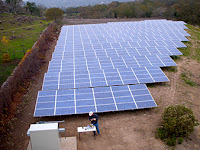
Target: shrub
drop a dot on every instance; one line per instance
(178, 121)
(5, 58)
(180, 140)
(171, 141)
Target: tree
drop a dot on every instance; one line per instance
(71, 11)
(2, 7)
(55, 14)
(126, 10)
(13, 5)
(31, 6)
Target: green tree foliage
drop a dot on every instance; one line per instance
(55, 14)
(13, 5)
(126, 10)
(33, 9)
(19, 7)
(188, 11)
(185, 10)
(2, 7)
(178, 121)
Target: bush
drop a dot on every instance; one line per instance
(5, 58)
(178, 121)
(171, 141)
(180, 140)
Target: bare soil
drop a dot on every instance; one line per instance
(125, 130)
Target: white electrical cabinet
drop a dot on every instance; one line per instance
(44, 136)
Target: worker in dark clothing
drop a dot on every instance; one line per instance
(94, 120)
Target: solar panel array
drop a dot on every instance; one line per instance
(104, 67)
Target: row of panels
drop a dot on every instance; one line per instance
(118, 52)
(79, 44)
(114, 29)
(59, 65)
(97, 78)
(78, 101)
(120, 38)
(125, 31)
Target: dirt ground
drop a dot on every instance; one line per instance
(125, 130)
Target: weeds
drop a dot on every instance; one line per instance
(187, 79)
(192, 50)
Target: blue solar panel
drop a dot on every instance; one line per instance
(105, 55)
(101, 99)
(64, 111)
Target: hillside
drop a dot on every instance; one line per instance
(22, 32)
(72, 3)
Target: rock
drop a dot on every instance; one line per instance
(0, 22)
(13, 31)
(29, 28)
(12, 22)
(13, 37)
(1, 28)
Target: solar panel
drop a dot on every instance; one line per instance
(103, 99)
(103, 67)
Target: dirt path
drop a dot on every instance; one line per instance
(125, 130)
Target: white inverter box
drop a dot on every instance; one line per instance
(44, 136)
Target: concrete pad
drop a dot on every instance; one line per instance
(68, 143)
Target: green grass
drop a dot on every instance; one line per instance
(25, 38)
(6, 71)
(187, 79)
(193, 46)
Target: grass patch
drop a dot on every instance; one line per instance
(22, 32)
(187, 79)
(193, 46)
(24, 36)
(6, 70)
